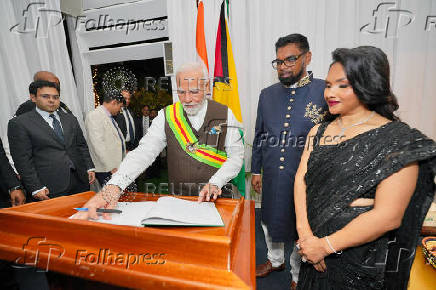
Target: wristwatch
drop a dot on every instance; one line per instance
(15, 188)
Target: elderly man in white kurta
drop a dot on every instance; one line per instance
(205, 149)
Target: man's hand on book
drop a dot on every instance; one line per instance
(106, 198)
(210, 192)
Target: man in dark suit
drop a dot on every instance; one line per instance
(129, 123)
(11, 191)
(28, 105)
(48, 147)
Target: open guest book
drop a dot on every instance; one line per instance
(166, 211)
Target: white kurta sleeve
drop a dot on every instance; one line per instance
(142, 157)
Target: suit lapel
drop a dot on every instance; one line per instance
(46, 126)
(108, 121)
(124, 127)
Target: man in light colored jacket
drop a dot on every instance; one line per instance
(105, 139)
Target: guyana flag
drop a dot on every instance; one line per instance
(225, 89)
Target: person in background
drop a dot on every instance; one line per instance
(48, 147)
(129, 123)
(106, 141)
(145, 119)
(29, 105)
(11, 190)
(153, 114)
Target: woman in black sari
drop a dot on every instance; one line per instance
(364, 184)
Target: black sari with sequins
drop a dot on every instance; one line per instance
(337, 175)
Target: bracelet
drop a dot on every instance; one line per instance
(109, 195)
(331, 247)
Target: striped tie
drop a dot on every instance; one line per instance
(57, 128)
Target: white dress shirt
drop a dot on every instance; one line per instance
(154, 142)
(46, 116)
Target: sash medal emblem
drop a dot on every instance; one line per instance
(191, 147)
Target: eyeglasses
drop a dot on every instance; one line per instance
(289, 61)
(193, 92)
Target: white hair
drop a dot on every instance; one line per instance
(192, 66)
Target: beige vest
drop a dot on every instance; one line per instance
(187, 175)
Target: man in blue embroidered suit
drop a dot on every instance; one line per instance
(286, 112)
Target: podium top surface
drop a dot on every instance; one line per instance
(128, 256)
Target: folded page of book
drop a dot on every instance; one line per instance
(132, 213)
(171, 211)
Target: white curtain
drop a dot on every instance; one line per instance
(255, 25)
(26, 49)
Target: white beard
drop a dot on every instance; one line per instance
(194, 110)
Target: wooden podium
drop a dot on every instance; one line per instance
(41, 235)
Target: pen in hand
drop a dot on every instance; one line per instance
(102, 210)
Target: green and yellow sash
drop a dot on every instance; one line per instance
(188, 141)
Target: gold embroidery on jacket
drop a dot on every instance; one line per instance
(314, 113)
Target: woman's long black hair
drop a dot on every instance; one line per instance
(367, 70)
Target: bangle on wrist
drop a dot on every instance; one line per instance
(331, 247)
(110, 195)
